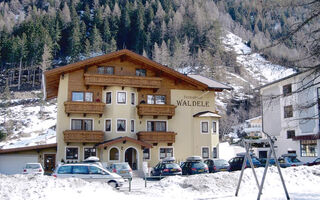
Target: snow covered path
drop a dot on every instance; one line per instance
(302, 182)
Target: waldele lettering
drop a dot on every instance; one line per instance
(192, 101)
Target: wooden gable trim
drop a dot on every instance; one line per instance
(37, 147)
(122, 139)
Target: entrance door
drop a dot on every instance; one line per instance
(131, 158)
(49, 163)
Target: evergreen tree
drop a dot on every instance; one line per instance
(106, 35)
(96, 40)
(87, 48)
(124, 28)
(56, 39)
(74, 42)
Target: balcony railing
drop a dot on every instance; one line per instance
(83, 136)
(157, 137)
(156, 110)
(84, 107)
(127, 81)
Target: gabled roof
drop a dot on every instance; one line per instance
(37, 147)
(212, 84)
(123, 139)
(52, 77)
(206, 114)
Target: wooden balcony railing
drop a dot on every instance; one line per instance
(156, 110)
(128, 81)
(157, 137)
(84, 107)
(83, 136)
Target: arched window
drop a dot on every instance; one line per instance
(114, 154)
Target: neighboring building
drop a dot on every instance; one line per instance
(123, 107)
(291, 113)
(253, 127)
(13, 160)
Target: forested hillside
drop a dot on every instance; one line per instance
(37, 35)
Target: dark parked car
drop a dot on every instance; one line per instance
(236, 162)
(315, 162)
(194, 165)
(289, 160)
(217, 165)
(167, 167)
(263, 161)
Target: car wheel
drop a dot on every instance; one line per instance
(112, 184)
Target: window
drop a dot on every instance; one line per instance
(166, 152)
(108, 125)
(140, 72)
(288, 111)
(114, 154)
(81, 124)
(132, 126)
(82, 96)
(95, 170)
(108, 97)
(89, 152)
(204, 127)
(290, 134)
(205, 152)
(65, 170)
(106, 70)
(159, 126)
(309, 148)
(72, 153)
(78, 169)
(133, 99)
(146, 154)
(121, 97)
(156, 99)
(214, 127)
(287, 90)
(121, 125)
(214, 152)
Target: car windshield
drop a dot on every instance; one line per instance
(220, 162)
(32, 166)
(198, 165)
(122, 166)
(172, 165)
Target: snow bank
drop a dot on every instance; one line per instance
(302, 183)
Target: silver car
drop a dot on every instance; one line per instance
(122, 169)
(89, 172)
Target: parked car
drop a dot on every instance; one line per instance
(33, 168)
(236, 162)
(122, 169)
(217, 165)
(88, 172)
(194, 165)
(289, 160)
(263, 161)
(315, 162)
(167, 167)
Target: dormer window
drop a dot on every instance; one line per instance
(287, 90)
(141, 72)
(106, 70)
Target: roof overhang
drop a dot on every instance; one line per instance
(52, 77)
(37, 147)
(123, 140)
(307, 137)
(207, 114)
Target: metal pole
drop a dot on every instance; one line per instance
(241, 174)
(130, 179)
(145, 181)
(278, 166)
(264, 173)
(251, 164)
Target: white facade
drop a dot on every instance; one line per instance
(291, 114)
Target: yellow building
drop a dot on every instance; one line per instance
(123, 107)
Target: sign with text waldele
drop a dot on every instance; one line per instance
(192, 101)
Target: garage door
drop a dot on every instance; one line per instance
(14, 164)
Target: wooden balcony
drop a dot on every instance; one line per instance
(156, 110)
(157, 137)
(72, 107)
(83, 136)
(125, 81)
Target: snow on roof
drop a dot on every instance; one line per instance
(213, 84)
(206, 114)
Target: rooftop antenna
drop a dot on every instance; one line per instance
(270, 140)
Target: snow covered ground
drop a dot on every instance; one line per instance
(302, 183)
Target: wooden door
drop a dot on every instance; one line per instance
(49, 163)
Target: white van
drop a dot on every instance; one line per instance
(89, 172)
